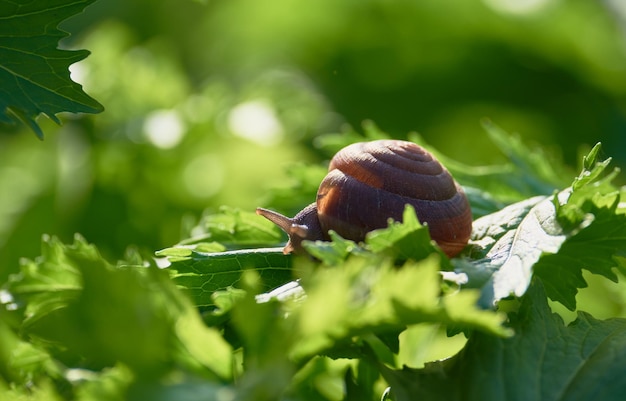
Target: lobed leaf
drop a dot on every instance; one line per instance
(34, 75)
(20, 360)
(400, 241)
(332, 252)
(593, 248)
(113, 315)
(403, 240)
(50, 282)
(202, 274)
(516, 237)
(555, 238)
(544, 360)
(534, 171)
(353, 311)
(372, 295)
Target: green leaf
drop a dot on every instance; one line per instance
(589, 186)
(535, 171)
(579, 228)
(114, 315)
(34, 75)
(372, 295)
(203, 274)
(110, 384)
(266, 338)
(204, 346)
(345, 312)
(332, 252)
(592, 168)
(235, 228)
(515, 237)
(20, 361)
(593, 248)
(50, 282)
(400, 241)
(360, 387)
(403, 240)
(545, 360)
(184, 252)
(591, 212)
(322, 379)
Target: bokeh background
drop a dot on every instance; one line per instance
(212, 103)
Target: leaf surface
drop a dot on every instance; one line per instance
(403, 240)
(595, 248)
(545, 361)
(104, 314)
(516, 237)
(203, 274)
(34, 75)
(51, 282)
(374, 295)
(582, 227)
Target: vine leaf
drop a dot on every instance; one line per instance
(545, 360)
(34, 75)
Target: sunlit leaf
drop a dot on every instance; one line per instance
(235, 228)
(554, 237)
(334, 251)
(594, 248)
(517, 236)
(403, 240)
(114, 315)
(51, 274)
(370, 294)
(545, 360)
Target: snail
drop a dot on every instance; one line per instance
(370, 182)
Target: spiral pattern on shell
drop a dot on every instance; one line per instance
(370, 182)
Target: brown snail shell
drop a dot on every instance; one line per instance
(370, 182)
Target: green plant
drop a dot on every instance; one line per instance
(226, 321)
(34, 76)
(224, 315)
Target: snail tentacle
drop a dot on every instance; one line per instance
(303, 226)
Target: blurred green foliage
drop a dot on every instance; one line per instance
(212, 103)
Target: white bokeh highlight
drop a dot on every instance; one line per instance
(256, 121)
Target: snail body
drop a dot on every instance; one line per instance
(370, 182)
